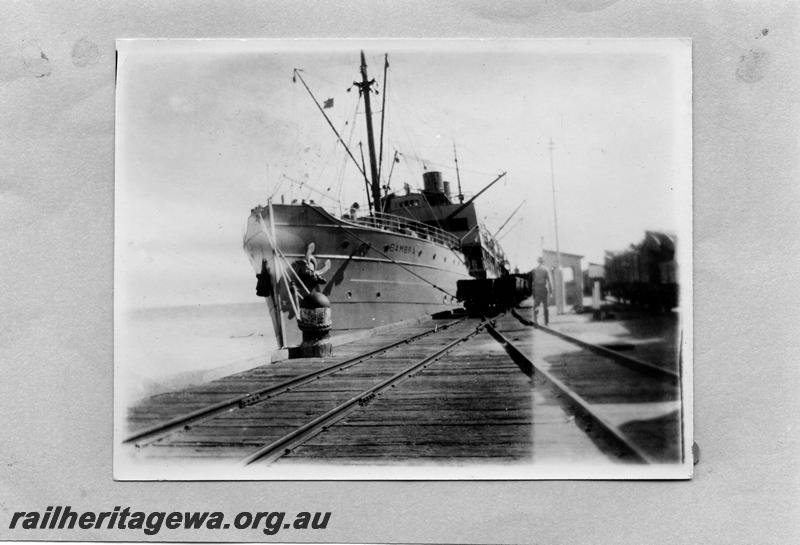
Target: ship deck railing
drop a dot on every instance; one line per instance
(406, 226)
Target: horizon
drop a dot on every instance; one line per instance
(209, 129)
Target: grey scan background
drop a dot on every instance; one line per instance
(56, 212)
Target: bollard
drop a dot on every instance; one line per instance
(315, 323)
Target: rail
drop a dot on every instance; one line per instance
(623, 445)
(640, 366)
(184, 422)
(406, 226)
(286, 444)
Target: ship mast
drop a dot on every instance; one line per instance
(365, 88)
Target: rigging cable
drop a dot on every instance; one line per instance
(284, 274)
(424, 198)
(389, 179)
(510, 229)
(340, 175)
(322, 111)
(509, 219)
(329, 161)
(280, 254)
(367, 244)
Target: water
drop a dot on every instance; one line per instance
(163, 348)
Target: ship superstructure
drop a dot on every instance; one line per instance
(400, 260)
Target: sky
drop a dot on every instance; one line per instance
(206, 130)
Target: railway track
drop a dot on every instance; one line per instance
(473, 404)
(266, 424)
(643, 367)
(603, 388)
(186, 421)
(284, 445)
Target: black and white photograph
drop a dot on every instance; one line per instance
(403, 259)
(372, 271)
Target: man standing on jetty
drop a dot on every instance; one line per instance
(542, 285)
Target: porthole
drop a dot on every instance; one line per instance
(346, 244)
(378, 295)
(349, 294)
(419, 253)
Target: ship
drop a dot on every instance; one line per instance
(399, 260)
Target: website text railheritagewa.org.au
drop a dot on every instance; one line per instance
(152, 522)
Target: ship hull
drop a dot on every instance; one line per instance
(375, 277)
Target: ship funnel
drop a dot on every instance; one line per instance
(433, 181)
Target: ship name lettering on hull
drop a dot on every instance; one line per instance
(400, 248)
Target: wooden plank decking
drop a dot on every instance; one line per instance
(474, 404)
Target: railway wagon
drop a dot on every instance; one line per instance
(645, 275)
(488, 295)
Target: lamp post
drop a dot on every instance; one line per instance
(558, 277)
